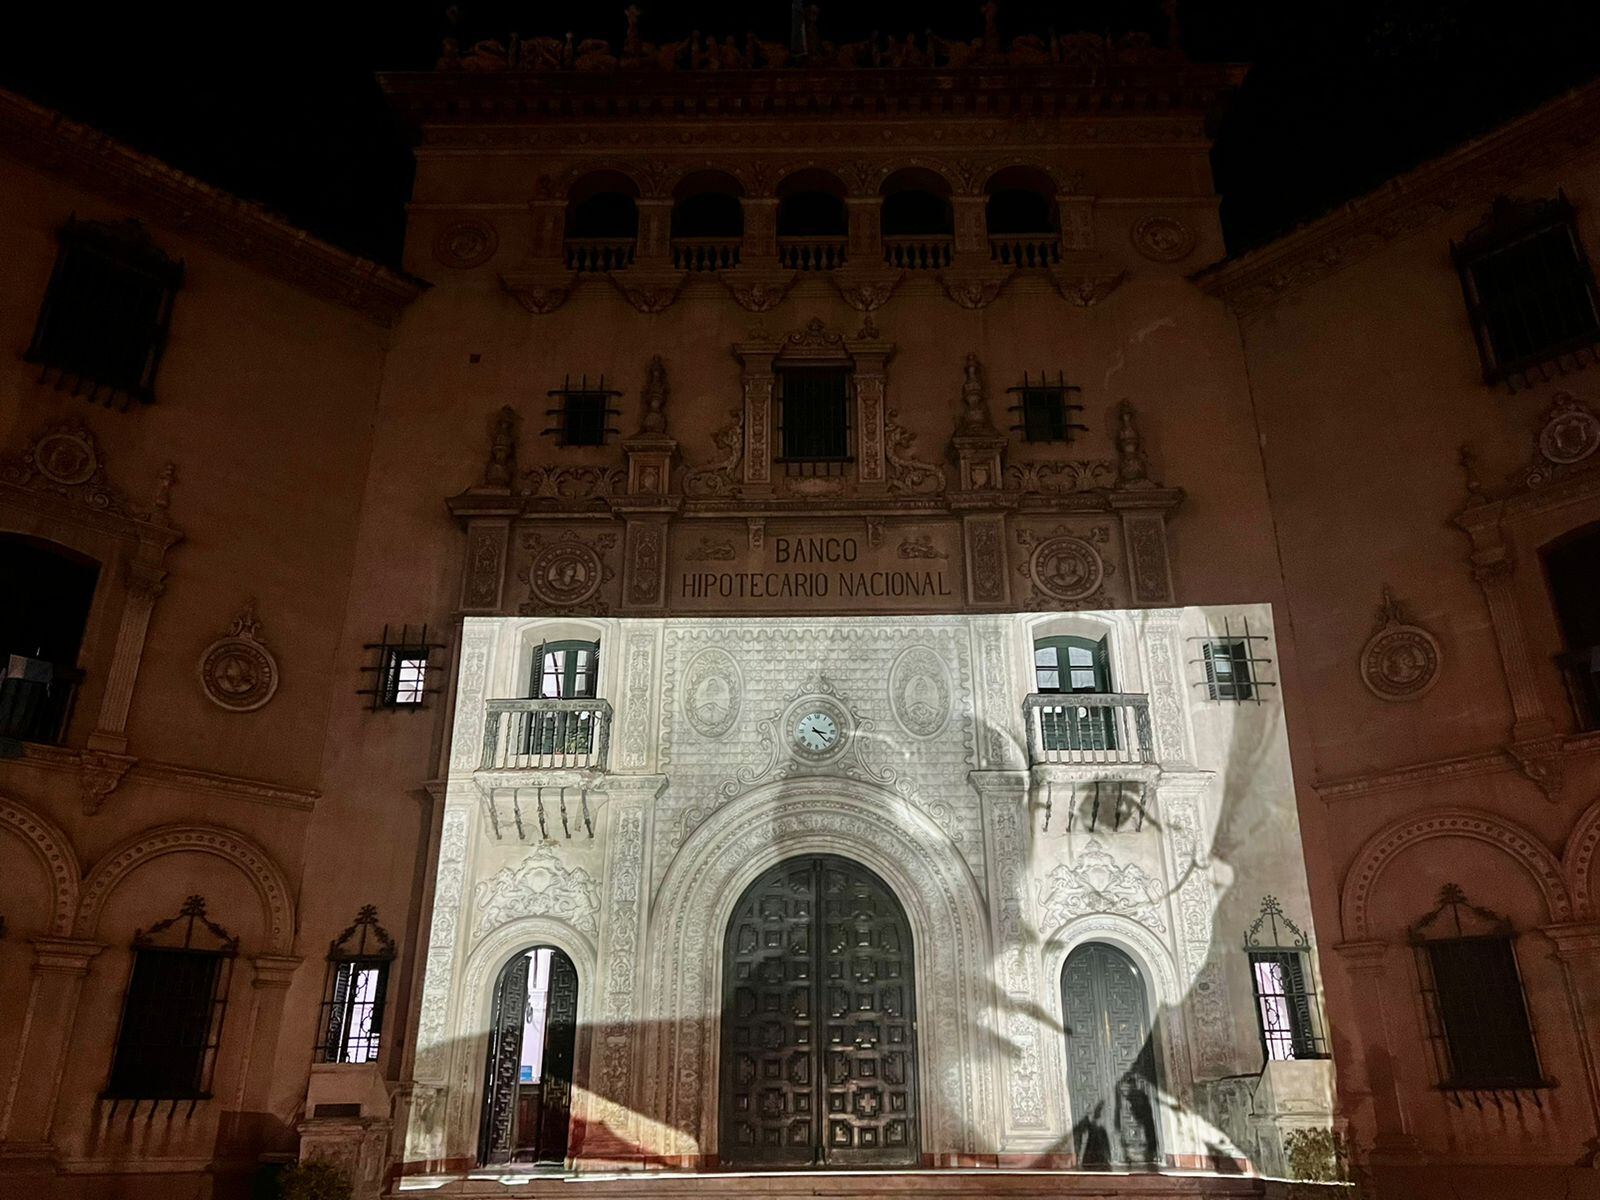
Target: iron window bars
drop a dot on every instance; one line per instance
(814, 419)
(1125, 805)
(583, 413)
(1529, 289)
(103, 324)
(172, 1014)
(400, 670)
(1046, 407)
(1477, 1012)
(1232, 667)
(1287, 1012)
(351, 1027)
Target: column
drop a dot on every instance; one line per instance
(28, 1115)
(1392, 1137)
(760, 246)
(864, 244)
(655, 230)
(271, 976)
(1578, 951)
(972, 231)
(145, 580)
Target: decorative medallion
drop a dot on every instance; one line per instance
(712, 690)
(919, 692)
(1400, 660)
(1066, 568)
(1097, 883)
(469, 243)
(566, 572)
(1163, 239)
(817, 729)
(1570, 434)
(66, 455)
(237, 672)
(64, 460)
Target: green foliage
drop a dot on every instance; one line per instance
(1315, 1156)
(313, 1180)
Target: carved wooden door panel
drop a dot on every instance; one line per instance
(497, 1133)
(1111, 1072)
(560, 1044)
(818, 936)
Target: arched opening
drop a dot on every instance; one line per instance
(533, 1033)
(602, 222)
(707, 222)
(42, 625)
(1112, 1080)
(813, 223)
(1022, 218)
(819, 1057)
(917, 220)
(1572, 570)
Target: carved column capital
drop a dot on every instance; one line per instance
(274, 970)
(1362, 958)
(1575, 941)
(63, 956)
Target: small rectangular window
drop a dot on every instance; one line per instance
(103, 324)
(353, 1013)
(1285, 1005)
(405, 676)
(1228, 671)
(582, 412)
(1046, 409)
(814, 414)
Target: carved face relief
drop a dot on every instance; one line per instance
(1067, 568)
(564, 573)
(1163, 239)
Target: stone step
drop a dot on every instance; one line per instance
(850, 1185)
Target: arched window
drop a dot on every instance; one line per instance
(1023, 220)
(1572, 567)
(602, 222)
(42, 624)
(707, 222)
(812, 221)
(917, 220)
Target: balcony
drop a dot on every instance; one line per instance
(546, 735)
(923, 253)
(705, 253)
(36, 699)
(599, 254)
(811, 253)
(1025, 249)
(1089, 729)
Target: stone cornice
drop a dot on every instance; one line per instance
(172, 775)
(42, 138)
(1471, 175)
(1463, 766)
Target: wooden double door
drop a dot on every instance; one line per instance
(819, 1058)
(527, 1095)
(1111, 1059)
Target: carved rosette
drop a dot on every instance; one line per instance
(1163, 238)
(237, 672)
(466, 244)
(1569, 435)
(1400, 660)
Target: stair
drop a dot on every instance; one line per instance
(851, 1185)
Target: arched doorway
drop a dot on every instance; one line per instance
(1111, 1059)
(533, 1027)
(819, 1057)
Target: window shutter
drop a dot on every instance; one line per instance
(1102, 666)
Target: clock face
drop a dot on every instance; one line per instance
(817, 732)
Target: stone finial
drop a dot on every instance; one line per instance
(974, 408)
(502, 462)
(654, 395)
(1133, 468)
(163, 498)
(1468, 459)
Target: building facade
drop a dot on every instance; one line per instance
(818, 638)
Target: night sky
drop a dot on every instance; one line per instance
(277, 102)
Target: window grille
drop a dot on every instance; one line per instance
(1231, 669)
(1529, 289)
(353, 1000)
(1572, 568)
(1287, 1013)
(582, 413)
(103, 324)
(1477, 1013)
(172, 1013)
(1046, 409)
(814, 423)
(402, 668)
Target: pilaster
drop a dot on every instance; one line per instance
(59, 966)
(1393, 1138)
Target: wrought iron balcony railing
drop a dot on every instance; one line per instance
(546, 735)
(36, 699)
(1088, 728)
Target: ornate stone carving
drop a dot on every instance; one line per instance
(636, 717)
(1062, 476)
(649, 291)
(986, 555)
(1085, 289)
(465, 244)
(757, 294)
(975, 416)
(99, 774)
(721, 477)
(617, 1043)
(538, 886)
(1064, 566)
(712, 692)
(64, 460)
(237, 671)
(865, 291)
(485, 545)
(540, 293)
(907, 474)
(502, 462)
(432, 1041)
(1569, 435)
(53, 848)
(976, 289)
(711, 549)
(1163, 238)
(920, 546)
(571, 483)
(1095, 883)
(653, 396)
(1400, 660)
(1133, 468)
(567, 570)
(920, 692)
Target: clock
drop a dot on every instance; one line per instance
(817, 732)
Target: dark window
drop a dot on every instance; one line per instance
(1081, 665)
(103, 324)
(1477, 1014)
(353, 1004)
(42, 622)
(401, 669)
(582, 413)
(1529, 287)
(1046, 409)
(814, 408)
(1284, 1005)
(1228, 670)
(1572, 567)
(566, 670)
(172, 1013)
